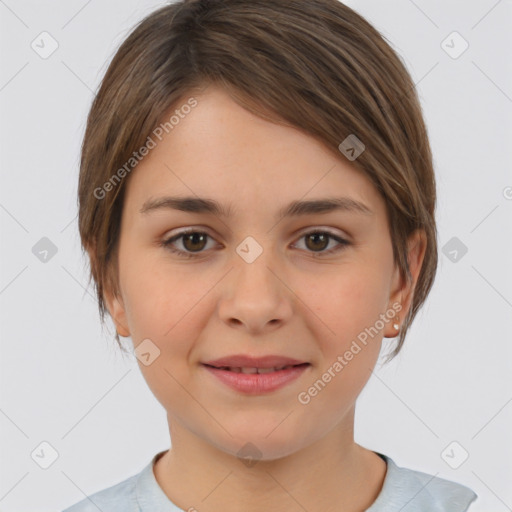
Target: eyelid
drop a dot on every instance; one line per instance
(341, 240)
(301, 232)
(169, 239)
(323, 229)
(175, 234)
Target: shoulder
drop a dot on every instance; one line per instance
(137, 493)
(414, 491)
(117, 498)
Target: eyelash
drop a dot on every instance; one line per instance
(167, 244)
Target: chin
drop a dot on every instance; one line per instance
(252, 447)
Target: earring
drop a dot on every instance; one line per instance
(396, 325)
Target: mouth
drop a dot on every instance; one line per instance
(252, 370)
(255, 380)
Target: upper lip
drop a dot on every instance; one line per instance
(244, 361)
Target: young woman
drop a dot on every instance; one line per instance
(257, 202)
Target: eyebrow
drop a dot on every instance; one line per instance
(294, 209)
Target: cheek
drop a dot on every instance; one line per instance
(345, 312)
(158, 298)
(347, 306)
(344, 303)
(165, 308)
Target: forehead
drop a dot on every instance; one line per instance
(220, 150)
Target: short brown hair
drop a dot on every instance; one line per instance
(316, 65)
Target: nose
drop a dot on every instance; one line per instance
(255, 297)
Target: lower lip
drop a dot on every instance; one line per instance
(255, 383)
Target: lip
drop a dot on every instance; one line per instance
(245, 361)
(255, 383)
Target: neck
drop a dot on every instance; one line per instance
(334, 473)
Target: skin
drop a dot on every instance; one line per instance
(292, 301)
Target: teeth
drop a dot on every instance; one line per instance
(266, 370)
(255, 370)
(251, 370)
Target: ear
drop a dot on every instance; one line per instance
(116, 308)
(112, 299)
(403, 292)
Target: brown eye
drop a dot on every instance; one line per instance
(317, 241)
(194, 241)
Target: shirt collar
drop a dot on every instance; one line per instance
(402, 489)
(150, 496)
(408, 490)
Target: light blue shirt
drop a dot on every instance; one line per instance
(403, 490)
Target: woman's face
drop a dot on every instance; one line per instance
(253, 282)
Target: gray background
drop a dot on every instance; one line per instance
(63, 381)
